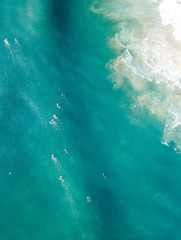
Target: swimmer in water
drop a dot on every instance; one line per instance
(16, 41)
(63, 95)
(88, 199)
(104, 175)
(55, 117)
(66, 151)
(53, 157)
(52, 121)
(6, 42)
(58, 106)
(61, 178)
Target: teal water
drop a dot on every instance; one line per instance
(50, 47)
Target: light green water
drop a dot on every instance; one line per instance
(108, 123)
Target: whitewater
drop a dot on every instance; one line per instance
(148, 56)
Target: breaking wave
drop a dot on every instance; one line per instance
(148, 55)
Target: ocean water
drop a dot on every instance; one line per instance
(90, 120)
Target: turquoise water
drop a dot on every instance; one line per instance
(51, 47)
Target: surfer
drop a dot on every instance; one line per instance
(52, 121)
(61, 178)
(58, 106)
(88, 199)
(66, 151)
(6, 42)
(63, 95)
(16, 41)
(53, 157)
(55, 117)
(104, 175)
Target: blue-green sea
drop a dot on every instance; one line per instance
(90, 120)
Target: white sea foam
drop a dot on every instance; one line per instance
(170, 11)
(149, 57)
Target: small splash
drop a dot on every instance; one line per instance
(164, 142)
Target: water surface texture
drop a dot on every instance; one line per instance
(90, 120)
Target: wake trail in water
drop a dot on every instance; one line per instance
(73, 195)
(14, 48)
